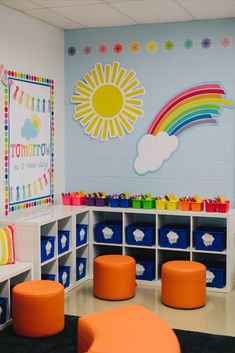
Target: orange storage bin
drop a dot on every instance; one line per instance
(185, 205)
(197, 206)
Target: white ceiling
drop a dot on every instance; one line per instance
(71, 14)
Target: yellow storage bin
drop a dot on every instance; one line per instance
(172, 205)
(160, 204)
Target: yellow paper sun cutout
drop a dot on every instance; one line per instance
(107, 101)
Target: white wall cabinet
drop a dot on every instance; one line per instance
(29, 231)
(10, 275)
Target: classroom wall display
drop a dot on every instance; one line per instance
(108, 101)
(29, 141)
(197, 105)
(169, 60)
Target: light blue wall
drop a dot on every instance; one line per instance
(204, 163)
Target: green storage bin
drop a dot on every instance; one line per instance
(149, 204)
(137, 203)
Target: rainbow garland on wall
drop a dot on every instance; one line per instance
(26, 195)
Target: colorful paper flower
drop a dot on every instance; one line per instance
(226, 42)
(152, 47)
(134, 47)
(71, 51)
(103, 48)
(118, 48)
(206, 43)
(188, 44)
(169, 45)
(87, 50)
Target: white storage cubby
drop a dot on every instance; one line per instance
(29, 231)
(156, 254)
(10, 275)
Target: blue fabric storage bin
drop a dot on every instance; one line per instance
(215, 274)
(210, 239)
(64, 275)
(48, 276)
(3, 311)
(47, 247)
(63, 241)
(174, 236)
(108, 232)
(114, 202)
(140, 234)
(81, 267)
(125, 203)
(81, 234)
(144, 270)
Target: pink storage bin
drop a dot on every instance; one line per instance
(77, 201)
(66, 200)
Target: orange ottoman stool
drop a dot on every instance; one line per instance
(38, 308)
(184, 284)
(114, 277)
(131, 329)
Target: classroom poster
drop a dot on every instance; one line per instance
(29, 137)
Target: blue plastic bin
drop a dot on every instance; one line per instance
(81, 234)
(215, 274)
(48, 276)
(63, 241)
(114, 202)
(64, 275)
(3, 310)
(174, 236)
(108, 232)
(145, 270)
(210, 239)
(47, 247)
(125, 203)
(81, 267)
(140, 234)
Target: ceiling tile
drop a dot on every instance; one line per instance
(64, 3)
(152, 11)
(53, 18)
(100, 15)
(21, 5)
(209, 9)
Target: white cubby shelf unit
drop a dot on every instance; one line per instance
(29, 231)
(10, 275)
(157, 254)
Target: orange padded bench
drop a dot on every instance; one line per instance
(131, 329)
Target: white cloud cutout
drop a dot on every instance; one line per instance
(153, 150)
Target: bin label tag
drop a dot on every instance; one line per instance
(208, 239)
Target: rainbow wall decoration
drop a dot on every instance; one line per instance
(195, 106)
